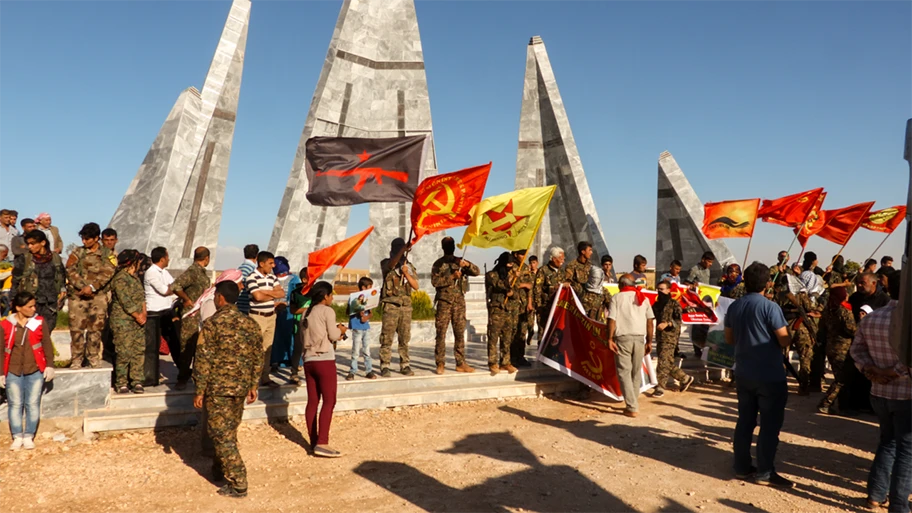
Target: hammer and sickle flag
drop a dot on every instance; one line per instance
(886, 220)
(508, 221)
(444, 201)
(789, 211)
(730, 219)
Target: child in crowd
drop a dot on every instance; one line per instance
(359, 323)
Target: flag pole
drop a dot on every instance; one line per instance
(746, 253)
(878, 247)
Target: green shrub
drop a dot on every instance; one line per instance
(422, 307)
(63, 320)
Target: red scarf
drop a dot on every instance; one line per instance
(640, 297)
(846, 305)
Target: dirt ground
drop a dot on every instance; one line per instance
(548, 454)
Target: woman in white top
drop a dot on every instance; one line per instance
(321, 331)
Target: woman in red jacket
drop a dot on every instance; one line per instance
(28, 362)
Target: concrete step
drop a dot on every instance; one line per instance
(181, 415)
(475, 295)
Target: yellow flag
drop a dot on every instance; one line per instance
(509, 221)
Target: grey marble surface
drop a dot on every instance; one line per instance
(72, 392)
(547, 155)
(679, 223)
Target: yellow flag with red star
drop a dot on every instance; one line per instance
(508, 221)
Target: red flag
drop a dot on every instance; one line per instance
(814, 222)
(730, 219)
(444, 201)
(319, 261)
(840, 224)
(886, 220)
(789, 211)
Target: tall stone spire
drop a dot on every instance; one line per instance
(372, 85)
(175, 199)
(547, 155)
(679, 223)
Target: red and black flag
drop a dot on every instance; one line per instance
(348, 170)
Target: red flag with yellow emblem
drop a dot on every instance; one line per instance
(789, 211)
(840, 224)
(886, 220)
(730, 219)
(816, 219)
(444, 201)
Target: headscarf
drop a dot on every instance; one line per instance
(500, 265)
(728, 284)
(812, 282)
(281, 266)
(660, 303)
(596, 277)
(839, 265)
(209, 294)
(41, 216)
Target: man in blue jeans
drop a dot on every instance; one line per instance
(890, 480)
(758, 330)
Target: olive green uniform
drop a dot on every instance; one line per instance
(501, 323)
(193, 282)
(547, 281)
(87, 314)
(450, 304)
(127, 298)
(396, 300)
(518, 306)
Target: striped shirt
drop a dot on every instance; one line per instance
(243, 302)
(262, 282)
(872, 347)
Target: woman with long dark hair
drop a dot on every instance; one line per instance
(27, 364)
(320, 332)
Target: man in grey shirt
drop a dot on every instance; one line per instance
(630, 322)
(700, 272)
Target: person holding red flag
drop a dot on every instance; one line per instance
(791, 211)
(450, 276)
(446, 201)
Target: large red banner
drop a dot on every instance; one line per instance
(577, 346)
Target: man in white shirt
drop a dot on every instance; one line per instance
(629, 322)
(7, 231)
(160, 309)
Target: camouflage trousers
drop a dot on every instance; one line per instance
(222, 421)
(592, 304)
(803, 344)
(189, 334)
(129, 347)
(501, 325)
(397, 320)
(450, 313)
(665, 349)
(836, 354)
(520, 336)
(87, 320)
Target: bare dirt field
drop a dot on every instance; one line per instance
(551, 454)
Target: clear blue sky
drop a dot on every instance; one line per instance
(752, 98)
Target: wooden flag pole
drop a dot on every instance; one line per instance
(746, 253)
(877, 248)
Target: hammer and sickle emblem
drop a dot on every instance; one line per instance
(441, 208)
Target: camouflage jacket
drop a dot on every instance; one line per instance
(547, 280)
(520, 298)
(128, 298)
(840, 327)
(25, 274)
(449, 288)
(793, 313)
(577, 273)
(396, 289)
(496, 288)
(193, 282)
(672, 314)
(229, 354)
(89, 269)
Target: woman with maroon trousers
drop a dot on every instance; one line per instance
(28, 362)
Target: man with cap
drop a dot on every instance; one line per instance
(450, 277)
(399, 280)
(501, 324)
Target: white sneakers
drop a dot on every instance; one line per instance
(22, 442)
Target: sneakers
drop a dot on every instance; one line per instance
(230, 491)
(407, 371)
(495, 369)
(510, 368)
(464, 368)
(747, 475)
(325, 452)
(385, 373)
(775, 480)
(687, 382)
(370, 375)
(658, 393)
(17, 443)
(439, 369)
(350, 376)
(28, 442)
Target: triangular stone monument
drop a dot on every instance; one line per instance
(175, 199)
(372, 85)
(679, 223)
(547, 155)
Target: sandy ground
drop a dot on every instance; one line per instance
(549, 454)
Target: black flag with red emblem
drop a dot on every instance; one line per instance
(348, 170)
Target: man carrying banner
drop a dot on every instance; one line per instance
(399, 280)
(501, 323)
(629, 321)
(520, 305)
(450, 276)
(547, 280)
(577, 271)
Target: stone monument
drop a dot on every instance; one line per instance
(547, 155)
(679, 223)
(175, 199)
(373, 84)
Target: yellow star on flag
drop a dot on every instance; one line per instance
(510, 220)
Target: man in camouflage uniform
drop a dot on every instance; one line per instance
(40, 272)
(593, 297)
(128, 315)
(840, 331)
(521, 308)
(229, 362)
(89, 269)
(399, 280)
(668, 316)
(189, 286)
(801, 315)
(547, 280)
(577, 271)
(501, 323)
(450, 276)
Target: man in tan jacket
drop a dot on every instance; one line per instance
(53, 235)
